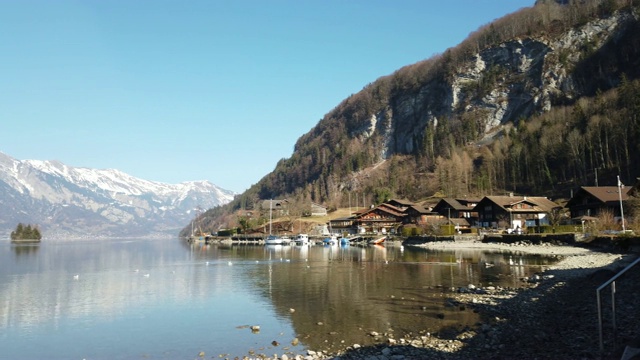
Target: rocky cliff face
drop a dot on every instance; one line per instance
(68, 202)
(500, 84)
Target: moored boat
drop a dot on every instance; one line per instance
(302, 239)
(331, 240)
(378, 241)
(276, 240)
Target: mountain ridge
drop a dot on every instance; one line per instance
(72, 202)
(521, 105)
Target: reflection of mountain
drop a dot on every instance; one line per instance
(107, 284)
(210, 290)
(353, 291)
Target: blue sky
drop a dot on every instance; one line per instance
(174, 91)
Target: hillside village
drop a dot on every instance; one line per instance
(591, 209)
(536, 103)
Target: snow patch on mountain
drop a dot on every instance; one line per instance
(71, 202)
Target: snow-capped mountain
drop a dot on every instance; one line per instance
(71, 202)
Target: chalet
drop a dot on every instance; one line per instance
(381, 219)
(344, 225)
(591, 201)
(391, 207)
(416, 214)
(457, 208)
(514, 211)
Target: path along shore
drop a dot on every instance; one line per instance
(552, 316)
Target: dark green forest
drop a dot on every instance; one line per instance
(589, 135)
(26, 232)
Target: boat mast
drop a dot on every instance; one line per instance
(270, 206)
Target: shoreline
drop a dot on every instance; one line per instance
(575, 258)
(515, 321)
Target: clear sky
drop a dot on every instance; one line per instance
(216, 90)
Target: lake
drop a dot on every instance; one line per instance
(168, 299)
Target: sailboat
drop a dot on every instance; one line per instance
(302, 239)
(274, 239)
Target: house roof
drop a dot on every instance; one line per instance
(607, 193)
(403, 202)
(452, 203)
(541, 202)
(388, 209)
(419, 209)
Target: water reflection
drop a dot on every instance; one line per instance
(25, 249)
(199, 297)
(354, 290)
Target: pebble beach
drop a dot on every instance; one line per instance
(553, 315)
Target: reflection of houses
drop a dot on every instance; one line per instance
(514, 211)
(591, 201)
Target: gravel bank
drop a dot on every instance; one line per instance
(553, 315)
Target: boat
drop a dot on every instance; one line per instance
(274, 239)
(344, 241)
(378, 241)
(331, 240)
(302, 239)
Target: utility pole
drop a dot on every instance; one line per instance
(620, 187)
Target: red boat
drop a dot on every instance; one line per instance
(378, 240)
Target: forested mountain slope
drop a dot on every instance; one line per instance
(540, 101)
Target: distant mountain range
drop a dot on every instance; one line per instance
(71, 202)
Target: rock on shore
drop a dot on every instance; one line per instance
(553, 315)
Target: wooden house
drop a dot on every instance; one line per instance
(458, 208)
(343, 225)
(591, 201)
(514, 211)
(416, 214)
(381, 219)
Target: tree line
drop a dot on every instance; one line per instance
(26, 232)
(330, 154)
(592, 131)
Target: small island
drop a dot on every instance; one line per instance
(26, 234)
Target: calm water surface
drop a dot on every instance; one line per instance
(166, 299)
